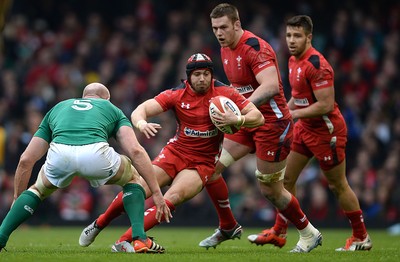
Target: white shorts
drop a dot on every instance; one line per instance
(97, 163)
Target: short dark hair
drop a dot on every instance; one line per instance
(301, 21)
(225, 9)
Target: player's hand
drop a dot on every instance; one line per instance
(225, 118)
(162, 208)
(149, 129)
(293, 114)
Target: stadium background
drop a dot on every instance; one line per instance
(52, 49)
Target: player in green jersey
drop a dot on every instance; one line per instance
(74, 134)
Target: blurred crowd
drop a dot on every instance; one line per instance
(52, 49)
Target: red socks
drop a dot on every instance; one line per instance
(294, 214)
(150, 216)
(115, 209)
(149, 221)
(281, 224)
(218, 192)
(357, 224)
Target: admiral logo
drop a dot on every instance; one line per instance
(197, 133)
(245, 89)
(264, 64)
(321, 83)
(301, 102)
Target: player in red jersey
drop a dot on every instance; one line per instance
(251, 66)
(320, 131)
(188, 160)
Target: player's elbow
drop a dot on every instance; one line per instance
(137, 151)
(258, 119)
(261, 120)
(328, 108)
(26, 161)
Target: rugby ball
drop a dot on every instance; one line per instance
(218, 103)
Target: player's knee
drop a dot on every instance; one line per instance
(289, 183)
(129, 173)
(40, 189)
(270, 178)
(175, 198)
(333, 189)
(226, 158)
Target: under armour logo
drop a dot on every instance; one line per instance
(225, 61)
(270, 153)
(327, 158)
(183, 105)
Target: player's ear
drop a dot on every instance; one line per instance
(237, 25)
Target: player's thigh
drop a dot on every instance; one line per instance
(238, 146)
(187, 184)
(295, 163)
(337, 175)
(163, 179)
(272, 141)
(42, 187)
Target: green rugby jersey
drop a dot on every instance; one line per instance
(82, 121)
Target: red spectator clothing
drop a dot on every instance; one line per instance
(241, 64)
(196, 136)
(307, 74)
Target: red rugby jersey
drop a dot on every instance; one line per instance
(312, 72)
(196, 135)
(251, 55)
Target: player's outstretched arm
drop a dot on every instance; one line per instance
(35, 150)
(141, 161)
(144, 111)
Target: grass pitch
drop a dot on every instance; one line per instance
(60, 244)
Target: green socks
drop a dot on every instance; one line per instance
(23, 208)
(133, 199)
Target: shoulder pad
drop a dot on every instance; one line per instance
(314, 60)
(180, 86)
(218, 83)
(253, 42)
